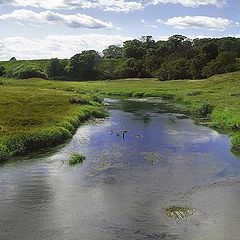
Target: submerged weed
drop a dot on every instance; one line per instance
(76, 158)
(179, 212)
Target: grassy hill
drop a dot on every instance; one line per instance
(13, 67)
(35, 110)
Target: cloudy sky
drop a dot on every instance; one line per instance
(35, 29)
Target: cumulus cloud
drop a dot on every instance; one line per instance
(106, 5)
(148, 24)
(49, 17)
(61, 46)
(191, 3)
(6, 2)
(203, 22)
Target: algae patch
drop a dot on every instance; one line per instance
(104, 167)
(76, 158)
(179, 212)
(152, 158)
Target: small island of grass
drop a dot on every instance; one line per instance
(76, 158)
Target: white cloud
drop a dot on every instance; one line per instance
(191, 3)
(3, 2)
(74, 21)
(203, 22)
(106, 5)
(148, 24)
(61, 46)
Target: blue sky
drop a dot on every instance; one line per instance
(60, 28)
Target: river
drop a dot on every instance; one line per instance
(122, 189)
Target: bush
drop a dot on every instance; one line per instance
(2, 71)
(97, 98)
(77, 100)
(236, 142)
(4, 152)
(30, 72)
(203, 110)
(76, 158)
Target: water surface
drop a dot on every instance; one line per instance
(123, 187)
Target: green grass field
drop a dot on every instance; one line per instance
(41, 108)
(37, 118)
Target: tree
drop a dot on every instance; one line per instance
(2, 71)
(55, 68)
(174, 69)
(84, 66)
(196, 66)
(133, 49)
(225, 62)
(210, 50)
(178, 40)
(13, 59)
(112, 52)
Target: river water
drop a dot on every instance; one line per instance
(123, 187)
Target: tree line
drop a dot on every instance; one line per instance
(176, 58)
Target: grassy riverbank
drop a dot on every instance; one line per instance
(34, 119)
(39, 110)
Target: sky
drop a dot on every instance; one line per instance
(41, 29)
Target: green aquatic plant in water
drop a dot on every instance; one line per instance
(179, 212)
(105, 166)
(76, 158)
(152, 158)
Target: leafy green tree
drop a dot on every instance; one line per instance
(133, 49)
(84, 66)
(230, 45)
(55, 68)
(196, 66)
(13, 59)
(210, 50)
(112, 52)
(174, 69)
(225, 62)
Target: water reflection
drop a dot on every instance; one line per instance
(122, 189)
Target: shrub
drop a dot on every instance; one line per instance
(97, 98)
(76, 158)
(30, 72)
(77, 100)
(236, 142)
(2, 71)
(203, 110)
(4, 152)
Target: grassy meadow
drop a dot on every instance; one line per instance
(37, 118)
(37, 114)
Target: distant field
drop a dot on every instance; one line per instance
(35, 104)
